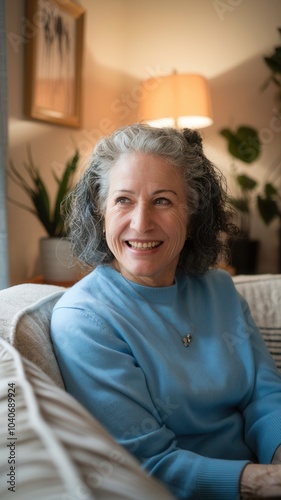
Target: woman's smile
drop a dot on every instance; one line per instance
(146, 218)
(143, 245)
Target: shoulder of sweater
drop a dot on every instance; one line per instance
(214, 277)
(220, 276)
(77, 293)
(89, 288)
(215, 283)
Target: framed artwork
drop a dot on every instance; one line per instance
(53, 69)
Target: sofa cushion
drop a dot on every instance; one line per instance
(60, 451)
(263, 294)
(25, 323)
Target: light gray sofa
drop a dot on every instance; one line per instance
(60, 451)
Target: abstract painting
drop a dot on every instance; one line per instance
(54, 61)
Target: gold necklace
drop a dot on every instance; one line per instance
(187, 339)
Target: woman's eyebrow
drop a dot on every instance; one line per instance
(158, 191)
(123, 191)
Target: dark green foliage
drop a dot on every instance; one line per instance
(274, 63)
(268, 204)
(36, 190)
(246, 183)
(243, 143)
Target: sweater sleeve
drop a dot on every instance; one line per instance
(262, 411)
(101, 372)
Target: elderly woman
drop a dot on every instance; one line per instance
(155, 341)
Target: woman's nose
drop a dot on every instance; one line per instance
(141, 220)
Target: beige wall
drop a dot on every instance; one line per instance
(125, 42)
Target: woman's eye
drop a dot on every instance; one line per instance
(162, 201)
(122, 200)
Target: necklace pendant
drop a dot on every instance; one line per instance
(187, 340)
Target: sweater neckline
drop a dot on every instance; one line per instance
(158, 298)
(165, 294)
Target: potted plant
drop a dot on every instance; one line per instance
(54, 249)
(244, 145)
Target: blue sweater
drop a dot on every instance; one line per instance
(194, 417)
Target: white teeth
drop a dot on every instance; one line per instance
(138, 244)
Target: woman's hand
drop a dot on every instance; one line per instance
(261, 481)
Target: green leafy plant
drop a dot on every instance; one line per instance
(274, 64)
(269, 202)
(35, 188)
(243, 144)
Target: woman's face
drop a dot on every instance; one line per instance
(146, 218)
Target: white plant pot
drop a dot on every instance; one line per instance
(56, 260)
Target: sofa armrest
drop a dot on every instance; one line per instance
(25, 312)
(263, 294)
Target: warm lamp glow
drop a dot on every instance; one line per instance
(176, 101)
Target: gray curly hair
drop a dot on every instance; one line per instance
(209, 221)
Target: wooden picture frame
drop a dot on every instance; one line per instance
(53, 68)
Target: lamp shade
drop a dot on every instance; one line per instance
(177, 100)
